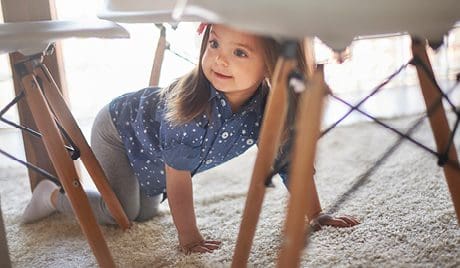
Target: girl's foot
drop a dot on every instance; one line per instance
(40, 205)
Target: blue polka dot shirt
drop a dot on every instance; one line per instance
(151, 141)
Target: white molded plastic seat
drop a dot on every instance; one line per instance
(141, 11)
(335, 22)
(31, 37)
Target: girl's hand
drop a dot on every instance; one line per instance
(201, 246)
(335, 221)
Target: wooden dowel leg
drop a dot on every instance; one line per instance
(87, 156)
(438, 122)
(271, 130)
(34, 149)
(313, 204)
(65, 169)
(158, 60)
(304, 197)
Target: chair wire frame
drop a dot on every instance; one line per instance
(442, 158)
(72, 148)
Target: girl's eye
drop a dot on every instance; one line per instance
(240, 53)
(213, 44)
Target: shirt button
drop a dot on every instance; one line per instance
(209, 161)
(223, 102)
(249, 141)
(224, 135)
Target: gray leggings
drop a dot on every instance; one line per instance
(110, 152)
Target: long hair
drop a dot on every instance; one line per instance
(188, 97)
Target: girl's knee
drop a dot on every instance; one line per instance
(149, 208)
(147, 215)
(131, 211)
(130, 207)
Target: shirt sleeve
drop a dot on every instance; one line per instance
(284, 160)
(283, 172)
(284, 176)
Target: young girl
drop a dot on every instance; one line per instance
(151, 142)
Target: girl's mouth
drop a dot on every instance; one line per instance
(222, 76)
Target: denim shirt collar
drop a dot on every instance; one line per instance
(255, 104)
(212, 92)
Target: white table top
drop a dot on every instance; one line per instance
(141, 11)
(335, 22)
(33, 37)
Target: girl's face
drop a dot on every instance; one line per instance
(233, 61)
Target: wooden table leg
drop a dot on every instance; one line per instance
(438, 122)
(304, 199)
(88, 158)
(65, 169)
(269, 139)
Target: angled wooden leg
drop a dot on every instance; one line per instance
(87, 156)
(438, 122)
(65, 169)
(35, 151)
(304, 199)
(269, 139)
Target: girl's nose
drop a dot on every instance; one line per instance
(221, 60)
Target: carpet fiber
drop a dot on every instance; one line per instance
(406, 213)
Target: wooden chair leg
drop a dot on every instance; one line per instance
(87, 156)
(65, 169)
(270, 134)
(158, 60)
(34, 150)
(4, 255)
(438, 122)
(304, 199)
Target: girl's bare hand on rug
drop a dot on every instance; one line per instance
(200, 246)
(335, 221)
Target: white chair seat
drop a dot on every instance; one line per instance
(335, 22)
(33, 37)
(141, 11)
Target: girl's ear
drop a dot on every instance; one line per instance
(267, 76)
(267, 73)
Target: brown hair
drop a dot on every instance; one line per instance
(187, 97)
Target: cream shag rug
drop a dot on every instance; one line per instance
(404, 205)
